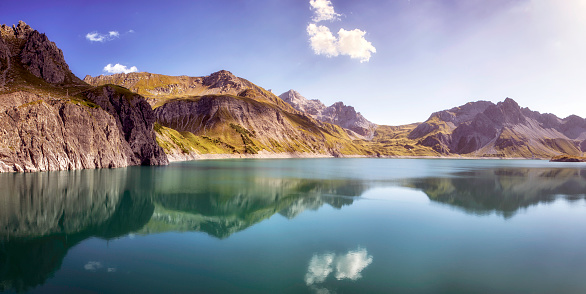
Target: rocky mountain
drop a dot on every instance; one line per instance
(25, 52)
(337, 113)
(222, 113)
(160, 88)
(51, 120)
(501, 130)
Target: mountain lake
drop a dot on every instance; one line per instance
(297, 226)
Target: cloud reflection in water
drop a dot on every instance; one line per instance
(346, 266)
(92, 265)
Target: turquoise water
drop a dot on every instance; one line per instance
(298, 226)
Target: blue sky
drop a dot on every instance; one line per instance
(395, 61)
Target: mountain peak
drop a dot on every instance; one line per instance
(21, 30)
(509, 102)
(221, 75)
(338, 113)
(507, 111)
(293, 97)
(25, 51)
(221, 79)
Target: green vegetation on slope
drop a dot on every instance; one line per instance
(393, 141)
(172, 140)
(220, 117)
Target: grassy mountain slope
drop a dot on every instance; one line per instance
(160, 88)
(222, 113)
(394, 141)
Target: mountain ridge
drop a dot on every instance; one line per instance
(337, 113)
(502, 130)
(158, 88)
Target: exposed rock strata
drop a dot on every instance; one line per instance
(60, 135)
(134, 119)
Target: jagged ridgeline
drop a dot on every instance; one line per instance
(222, 113)
(337, 113)
(52, 120)
(504, 130)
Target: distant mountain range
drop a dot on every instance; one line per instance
(502, 130)
(52, 120)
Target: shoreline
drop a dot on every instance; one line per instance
(270, 155)
(296, 155)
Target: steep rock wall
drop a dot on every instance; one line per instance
(134, 119)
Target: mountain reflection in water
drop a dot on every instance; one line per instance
(47, 213)
(43, 215)
(503, 190)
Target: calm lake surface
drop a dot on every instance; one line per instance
(298, 226)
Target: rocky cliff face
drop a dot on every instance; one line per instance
(312, 107)
(338, 113)
(59, 135)
(502, 130)
(4, 60)
(50, 120)
(134, 119)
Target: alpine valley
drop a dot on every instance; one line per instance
(52, 120)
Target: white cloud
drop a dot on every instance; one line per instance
(347, 266)
(324, 10)
(354, 44)
(322, 40)
(351, 43)
(97, 37)
(119, 68)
